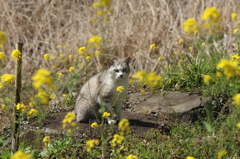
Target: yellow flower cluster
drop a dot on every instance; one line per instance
(236, 100)
(21, 107)
(46, 57)
(106, 114)
(234, 16)
(102, 7)
(94, 125)
(16, 54)
(190, 157)
(120, 89)
(68, 121)
(2, 39)
(83, 51)
(20, 155)
(221, 154)
(153, 46)
(91, 144)
(2, 56)
(212, 15)
(33, 112)
(8, 78)
(94, 41)
(230, 69)
(59, 76)
(43, 96)
(131, 157)
(190, 26)
(71, 69)
(151, 79)
(123, 126)
(42, 77)
(117, 140)
(46, 140)
(207, 79)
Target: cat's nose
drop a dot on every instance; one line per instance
(121, 76)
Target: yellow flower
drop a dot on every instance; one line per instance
(43, 96)
(211, 14)
(117, 139)
(69, 131)
(33, 112)
(120, 89)
(230, 69)
(1, 85)
(16, 54)
(42, 77)
(3, 107)
(131, 157)
(99, 13)
(97, 53)
(8, 78)
(46, 57)
(106, 3)
(70, 56)
(207, 79)
(218, 74)
(235, 31)
(190, 48)
(69, 117)
(88, 58)
(2, 56)
(190, 26)
(21, 107)
(32, 104)
(71, 69)
(94, 125)
(151, 79)
(123, 126)
(59, 76)
(142, 91)
(175, 53)
(59, 46)
(160, 58)
(234, 16)
(73, 124)
(238, 125)
(65, 95)
(2, 37)
(153, 46)
(91, 144)
(94, 41)
(203, 44)
(20, 155)
(46, 140)
(96, 5)
(236, 100)
(82, 50)
(190, 157)
(180, 41)
(222, 153)
(106, 114)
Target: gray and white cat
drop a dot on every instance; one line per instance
(100, 90)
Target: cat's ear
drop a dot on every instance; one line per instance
(128, 60)
(110, 62)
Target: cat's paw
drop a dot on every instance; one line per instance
(111, 122)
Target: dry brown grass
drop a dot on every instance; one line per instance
(135, 24)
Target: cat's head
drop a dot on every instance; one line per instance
(119, 69)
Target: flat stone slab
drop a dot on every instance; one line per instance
(172, 103)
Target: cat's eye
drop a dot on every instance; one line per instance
(116, 70)
(124, 70)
